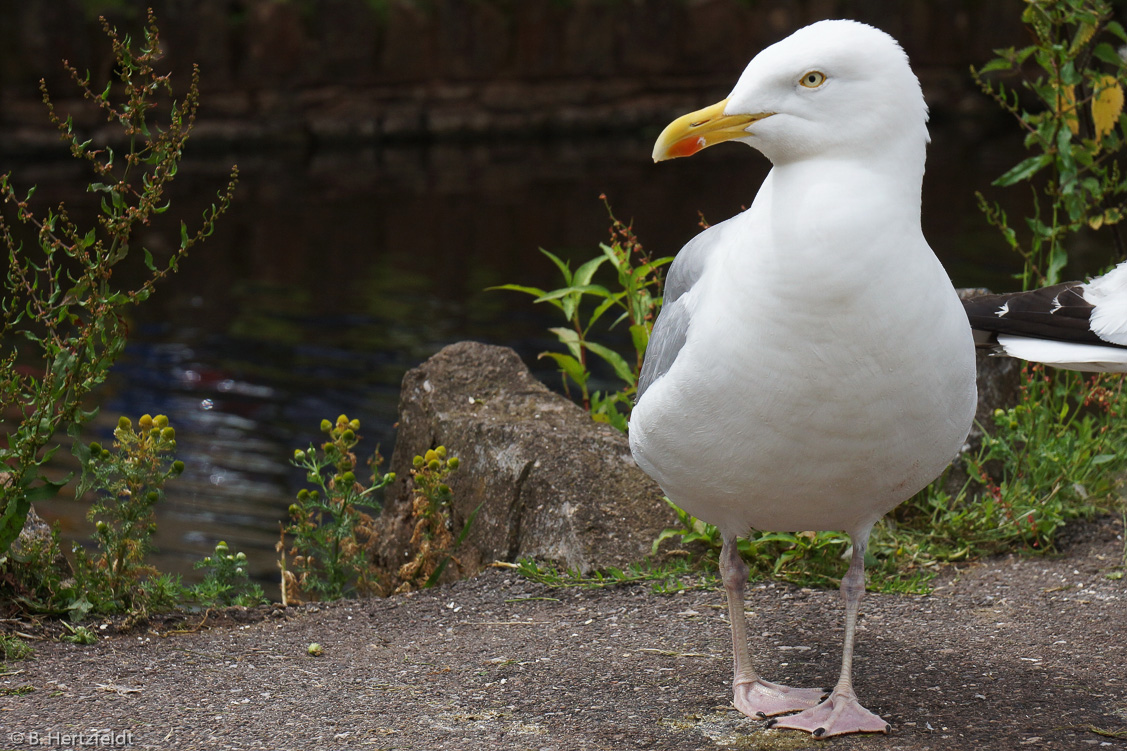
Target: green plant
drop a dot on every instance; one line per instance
(332, 535)
(128, 481)
(226, 581)
(1076, 136)
(78, 635)
(636, 297)
(37, 577)
(14, 648)
(63, 310)
(432, 538)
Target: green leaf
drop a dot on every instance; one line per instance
(1116, 29)
(1024, 170)
(565, 270)
(570, 338)
(584, 289)
(584, 273)
(665, 534)
(601, 308)
(1107, 54)
(640, 334)
(995, 64)
(570, 366)
(621, 368)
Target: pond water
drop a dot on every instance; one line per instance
(336, 271)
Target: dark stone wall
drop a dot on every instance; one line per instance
(332, 70)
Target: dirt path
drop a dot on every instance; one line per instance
(1009, 654)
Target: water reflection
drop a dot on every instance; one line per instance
(335, 272)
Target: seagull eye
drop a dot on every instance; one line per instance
(813, 79)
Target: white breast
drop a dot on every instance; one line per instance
(813, 392)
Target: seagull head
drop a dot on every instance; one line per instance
(832, 89)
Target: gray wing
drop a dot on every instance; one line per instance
(672, 324)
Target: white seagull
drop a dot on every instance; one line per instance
(812, 366)
(1075, 325)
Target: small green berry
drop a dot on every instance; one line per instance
(167, 433)
(303, 494)
(431, 456)
(348, 436)
(298, 455)
(146, 422)
(441, 451)
(240, 556)
(123, 423)
(418, 462)
(453, 462)
(390, 477)
(161, 421)
(95, 449)
(295, 510)
(348, 478)
(314, 649)
(221, 546)
(177, 467)
(102, 527)
(354, 424)
(326, 426)
(434, 465)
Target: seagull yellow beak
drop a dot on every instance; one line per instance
(690, 133)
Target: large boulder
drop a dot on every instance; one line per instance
(550, 482)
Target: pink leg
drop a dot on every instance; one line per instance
(841, 713)
(754, 696)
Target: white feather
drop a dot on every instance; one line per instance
(1108, 296)
(1090, 358)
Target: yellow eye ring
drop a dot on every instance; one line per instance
(813, 79)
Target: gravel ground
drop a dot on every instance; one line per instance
(1011, 653)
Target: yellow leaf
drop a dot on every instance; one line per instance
(1107, 104)
(1096, 222)
(1067, 107)
(1083, 36)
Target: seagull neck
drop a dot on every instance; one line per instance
(890, 185)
